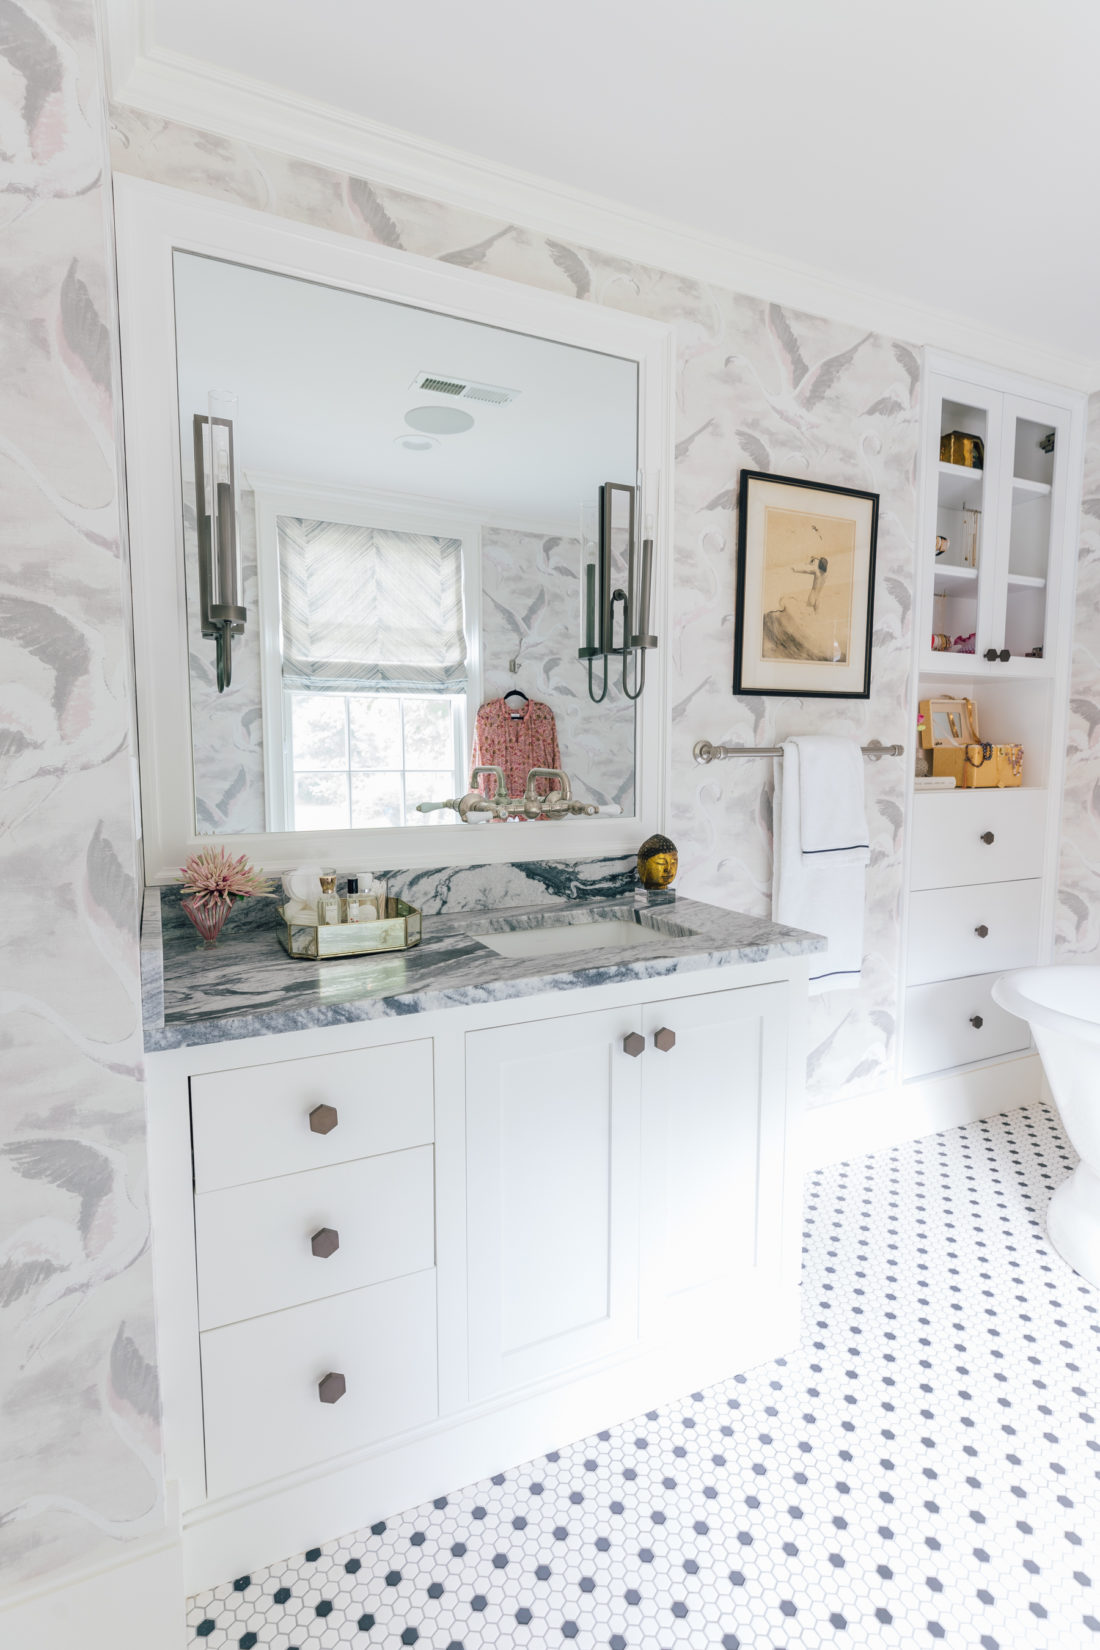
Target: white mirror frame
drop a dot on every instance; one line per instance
(152, 222)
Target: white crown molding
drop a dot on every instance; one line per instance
(183, 89)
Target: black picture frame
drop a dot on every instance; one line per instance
(784, 652)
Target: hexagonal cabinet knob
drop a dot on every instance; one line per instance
(664, 1039)
(323, 1119)
(633, 1044)
(325, 1242)
(331, 1388)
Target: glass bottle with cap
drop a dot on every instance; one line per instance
(328, 906)
(353, 904)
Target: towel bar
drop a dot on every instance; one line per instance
(705, 752)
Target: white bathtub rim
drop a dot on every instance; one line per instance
(1018, 994)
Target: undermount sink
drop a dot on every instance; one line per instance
(576, 936)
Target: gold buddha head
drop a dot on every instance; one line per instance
(657, 862)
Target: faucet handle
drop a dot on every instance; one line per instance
(565, 792)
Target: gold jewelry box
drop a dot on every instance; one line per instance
(959, 448)
(308, 941)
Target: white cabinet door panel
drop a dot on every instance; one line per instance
(946, 938)
(552, 1120)
(949, 831)
(254, 1123)
(261, 1405)
(940, 1029)
(713, 1114)
(254, 1242)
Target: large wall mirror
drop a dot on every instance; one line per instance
(387, 493)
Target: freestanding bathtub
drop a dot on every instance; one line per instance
(1062, 1007)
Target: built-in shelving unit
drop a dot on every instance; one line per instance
(981, 864)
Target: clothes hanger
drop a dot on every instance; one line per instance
(515, 693)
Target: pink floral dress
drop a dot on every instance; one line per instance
(515, 743)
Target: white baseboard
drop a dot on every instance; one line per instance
(132, 1601)
(252, 1531)
(889, 1117)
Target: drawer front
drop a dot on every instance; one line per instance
(255, 1252)
(262, 1411)
(251, 1124)
(949, 828)
(939, 1032)
(945, 930)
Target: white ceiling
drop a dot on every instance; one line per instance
(324, 378)
(940, 151)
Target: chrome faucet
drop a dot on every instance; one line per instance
(558, 803)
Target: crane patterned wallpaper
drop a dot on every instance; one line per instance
(79, 1418)
(1078, 920)
(758, 386)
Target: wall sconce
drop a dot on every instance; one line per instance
(615, 622)
(221, 610)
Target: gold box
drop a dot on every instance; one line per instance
(974, 770)
(309, 941)
(960, 448)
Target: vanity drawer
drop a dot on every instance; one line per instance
(262, 1411)
(944, 924)
(254, 1242)
(939, 1032)
(255, 1123)
(948, 831)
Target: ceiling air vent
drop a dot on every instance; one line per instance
(463, 389)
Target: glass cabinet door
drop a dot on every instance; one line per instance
(964, 507)
(1035, 440)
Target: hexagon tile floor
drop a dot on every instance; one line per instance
(924, 1469)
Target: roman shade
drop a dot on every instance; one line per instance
(370, 608)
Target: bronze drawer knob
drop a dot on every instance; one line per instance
(977, 1022)
(986, 837)
(991, 655)
(323, 1119)
(982, 931)
(325, 1242)
(633, 1044)
(664, 1039)
(331, 1388)
(1004, 655)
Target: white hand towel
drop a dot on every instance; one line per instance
(822, 852)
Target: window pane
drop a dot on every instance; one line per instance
(321, 802)
(429, 735)
(320, 730)
(375, 730)
(375, 799)
(430, 787)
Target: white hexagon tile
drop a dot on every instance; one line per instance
(925, 1469)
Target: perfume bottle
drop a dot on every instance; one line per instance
(328, 906)
(353, 904)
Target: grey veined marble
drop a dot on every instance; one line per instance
(249, 987)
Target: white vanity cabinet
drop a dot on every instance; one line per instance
(499, 1227)
(612, 1169)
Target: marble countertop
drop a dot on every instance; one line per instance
(248, 987)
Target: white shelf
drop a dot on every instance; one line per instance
(1025, 581)
(960, 487)
(953, 581)
(1025, 492)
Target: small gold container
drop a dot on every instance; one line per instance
(657, 862)
(960, 448)
(307, 941)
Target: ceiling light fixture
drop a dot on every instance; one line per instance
(439, 420)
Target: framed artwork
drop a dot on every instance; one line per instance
(805, 588)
